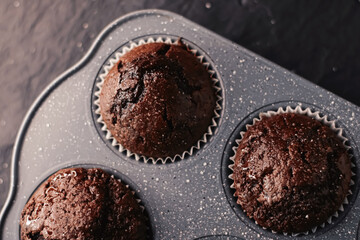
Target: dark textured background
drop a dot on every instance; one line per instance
(319, 40)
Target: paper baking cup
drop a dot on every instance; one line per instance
(315, 115)
(113, 60)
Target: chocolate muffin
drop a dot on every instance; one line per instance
(158, 100)
(79, 203)
(291, 173)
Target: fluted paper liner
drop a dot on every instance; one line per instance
(315, 115)
(112, 61)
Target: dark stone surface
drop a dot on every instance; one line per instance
(40, 39)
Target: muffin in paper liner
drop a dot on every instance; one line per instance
(74, 173)
(113, 60)
(315, 115)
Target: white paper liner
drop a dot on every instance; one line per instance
(112, 61)
(325, 121)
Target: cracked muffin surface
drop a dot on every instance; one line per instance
(77, 203)
(291, 173)
(158, 100)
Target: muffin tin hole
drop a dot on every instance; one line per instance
(227, 182)
(105, 134)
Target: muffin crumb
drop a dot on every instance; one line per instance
(291, 173)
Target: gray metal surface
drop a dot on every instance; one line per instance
(187, 199)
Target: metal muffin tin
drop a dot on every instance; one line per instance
(190, 198)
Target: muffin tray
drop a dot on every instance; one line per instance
(191, 197)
